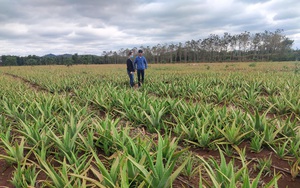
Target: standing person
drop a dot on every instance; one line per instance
(140, 63)
(130, 69)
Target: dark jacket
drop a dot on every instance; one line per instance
(130, 67)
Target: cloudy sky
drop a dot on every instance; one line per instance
(40, 27)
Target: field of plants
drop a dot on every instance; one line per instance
(189, 125)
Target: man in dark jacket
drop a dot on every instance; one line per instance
(130, 69)
(140, 63)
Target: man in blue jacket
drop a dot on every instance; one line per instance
(140, 64)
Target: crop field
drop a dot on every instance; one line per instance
(189, 125)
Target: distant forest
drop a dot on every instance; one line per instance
(244, 47)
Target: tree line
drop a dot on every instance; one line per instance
(243, 47)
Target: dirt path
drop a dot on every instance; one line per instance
(32, 85)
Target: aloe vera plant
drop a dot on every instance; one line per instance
(35, 132)
(133, 113)
(220, 94)
(104, 135)
(67, 143)
(270, 134)
(199, 133)
(58, 179)
(160, 174)
(155, 119)
(14, 151)
(137, 148)
(191, 167)
(108, 177)
(225, 175)
(281, 149)
(256, 143)
(294, 147)
(233, 134)
(264, 165)
(25, 176)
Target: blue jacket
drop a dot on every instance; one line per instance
(140, 63)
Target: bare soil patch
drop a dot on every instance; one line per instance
(6, 172)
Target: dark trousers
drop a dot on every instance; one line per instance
(141, 73)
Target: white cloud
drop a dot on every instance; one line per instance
(92, 26)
